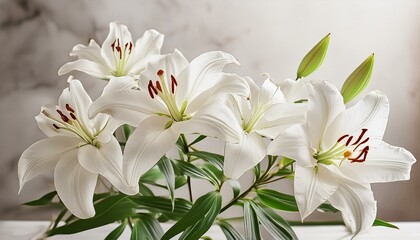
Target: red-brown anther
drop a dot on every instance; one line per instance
(362, 156)
(73, 116)
(69, 108)
(130, 48)
(63, 117)
(173, 83)
(160, 72)
(158, 86)
(55, 126)
(152, 90)
(364, 130)
(113, 45)
(118, 47)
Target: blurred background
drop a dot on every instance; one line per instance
(265, 36)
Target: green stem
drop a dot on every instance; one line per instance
(130, 224)
(186, 150)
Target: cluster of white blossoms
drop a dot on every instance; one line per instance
(338, 151)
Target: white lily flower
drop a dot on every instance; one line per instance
(118, 56)
(77, 150)
(265, 113)
(339, 152)
(173, 97)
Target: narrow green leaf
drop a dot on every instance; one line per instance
(382, 223)
(325, 207)
(198, 211)
(59, 217)
(273, 223)
(200, 228)
(257, 171)
(236, 187)
(163, 205)
(277, 200)
(229, 231)
(358, 79)
(146, 228)
(116, 233)
(252, 227)
(214, 158)
(314, 58)
(153, 175)
(99, 196)
(127, 131)
(191, 170)
(44, 200)
(165, 166)
(197, 140)
(109, 210)
(145, 191)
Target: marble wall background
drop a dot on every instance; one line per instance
(266, 36)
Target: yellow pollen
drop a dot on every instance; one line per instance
(347, 153)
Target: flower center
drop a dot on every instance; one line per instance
(249, 125)
(72, 125)
(346, 148)
(121, 55)
(161, 89)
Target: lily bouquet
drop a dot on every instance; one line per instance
(293, 130)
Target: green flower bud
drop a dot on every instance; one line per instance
(313, 58)
(358, 80)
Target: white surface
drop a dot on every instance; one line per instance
(31, 230)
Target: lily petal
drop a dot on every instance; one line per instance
(92, 52)
(201, 74)
(356, 203)
(243, 156)
(313, 186)
(293, 143)
(78, 99)
(370, 113)
(42, 156)
(116, 31)
(213, 120)
(146, 145)
(75, 186)
(127, 106)
(146, 49)
(119, 83)
(106, 160)
(270, 93)
(86, 66)
(385, 163)
(227, 84)
(324, 104)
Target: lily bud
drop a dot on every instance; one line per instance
(314, 58)
(358, 80)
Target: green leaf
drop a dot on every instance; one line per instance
(59, 217)
(379, 222)
(325, 207)
(193, 171)
(200, 228)
(277, 200)
(146, 228)
(229, 231)
(127, 131)
(99, 196)
(252, 227)
(358, 79)
(314, 58)
(257, 171)
(151, 176)
(236, 187)
(145, 191)
(197, 140)
(202, 207)
(163, 205)
(116, 233)
(109, 210)
(273, 223)
(44, 200)
(214, 158)
(165, 166)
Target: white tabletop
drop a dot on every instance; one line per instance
(31, 230)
